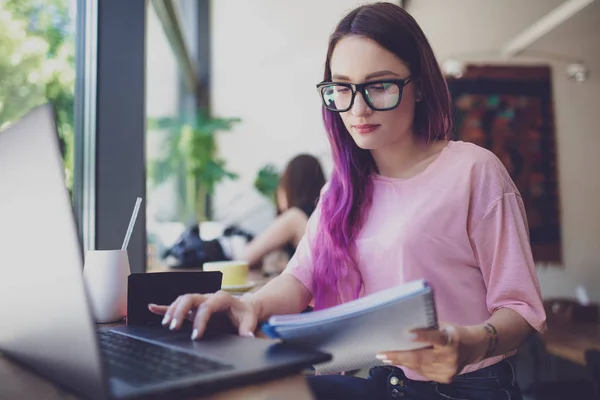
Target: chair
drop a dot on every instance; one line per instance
(592, 363)
(580, 389)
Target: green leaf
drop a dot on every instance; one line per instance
(267, 180)
(192, 145)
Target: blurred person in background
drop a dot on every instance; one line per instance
(296, 199)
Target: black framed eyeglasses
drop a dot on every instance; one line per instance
(381, 95)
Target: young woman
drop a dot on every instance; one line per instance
(297, 196)
(404, 203)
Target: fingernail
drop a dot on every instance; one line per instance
(151, 305)
(166, 319)
(381, 357)
(250, 334)
(386, 361)
(412, 337)
(194, 334)
(173, 324)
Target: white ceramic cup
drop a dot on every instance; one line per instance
(105, 275)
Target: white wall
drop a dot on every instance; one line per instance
(267, 56)
(578, 134)
(578, 141)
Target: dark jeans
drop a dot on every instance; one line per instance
(496, 382)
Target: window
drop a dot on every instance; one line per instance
(170, 200)
(37, 64)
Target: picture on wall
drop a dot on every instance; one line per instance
(509, 110)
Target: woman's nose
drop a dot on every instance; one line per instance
(360, 106)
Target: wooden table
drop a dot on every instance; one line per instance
(571, 340)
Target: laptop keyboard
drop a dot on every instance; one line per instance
(138, 362)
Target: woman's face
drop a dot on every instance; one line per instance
(356, 59)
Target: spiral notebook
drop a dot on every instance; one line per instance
(354, 332)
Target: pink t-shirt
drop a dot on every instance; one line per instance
(461, 225)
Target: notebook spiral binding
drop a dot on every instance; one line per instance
(432, 319)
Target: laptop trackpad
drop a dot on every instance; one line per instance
(240, 351)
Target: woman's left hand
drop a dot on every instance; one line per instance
(453, 347)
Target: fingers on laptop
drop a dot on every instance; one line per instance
(162, 310)
(247, 325)
(220, 301)
(195, 307)
(180, 308)
(156, 309)
(168, 311)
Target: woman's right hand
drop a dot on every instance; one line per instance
(198, 308)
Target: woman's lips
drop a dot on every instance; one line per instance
(364, 129)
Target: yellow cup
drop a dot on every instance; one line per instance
(234, 272)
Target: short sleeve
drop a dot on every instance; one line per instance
(501, 244)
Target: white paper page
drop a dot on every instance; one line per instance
(342, 310)
(354, 341)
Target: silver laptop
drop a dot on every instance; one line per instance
(45, 318)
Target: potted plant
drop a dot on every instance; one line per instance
(266, 182)
(191, 157)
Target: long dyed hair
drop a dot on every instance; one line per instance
(347, 201)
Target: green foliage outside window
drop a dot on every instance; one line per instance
(37, 65)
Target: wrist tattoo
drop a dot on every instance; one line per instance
(492, 339)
